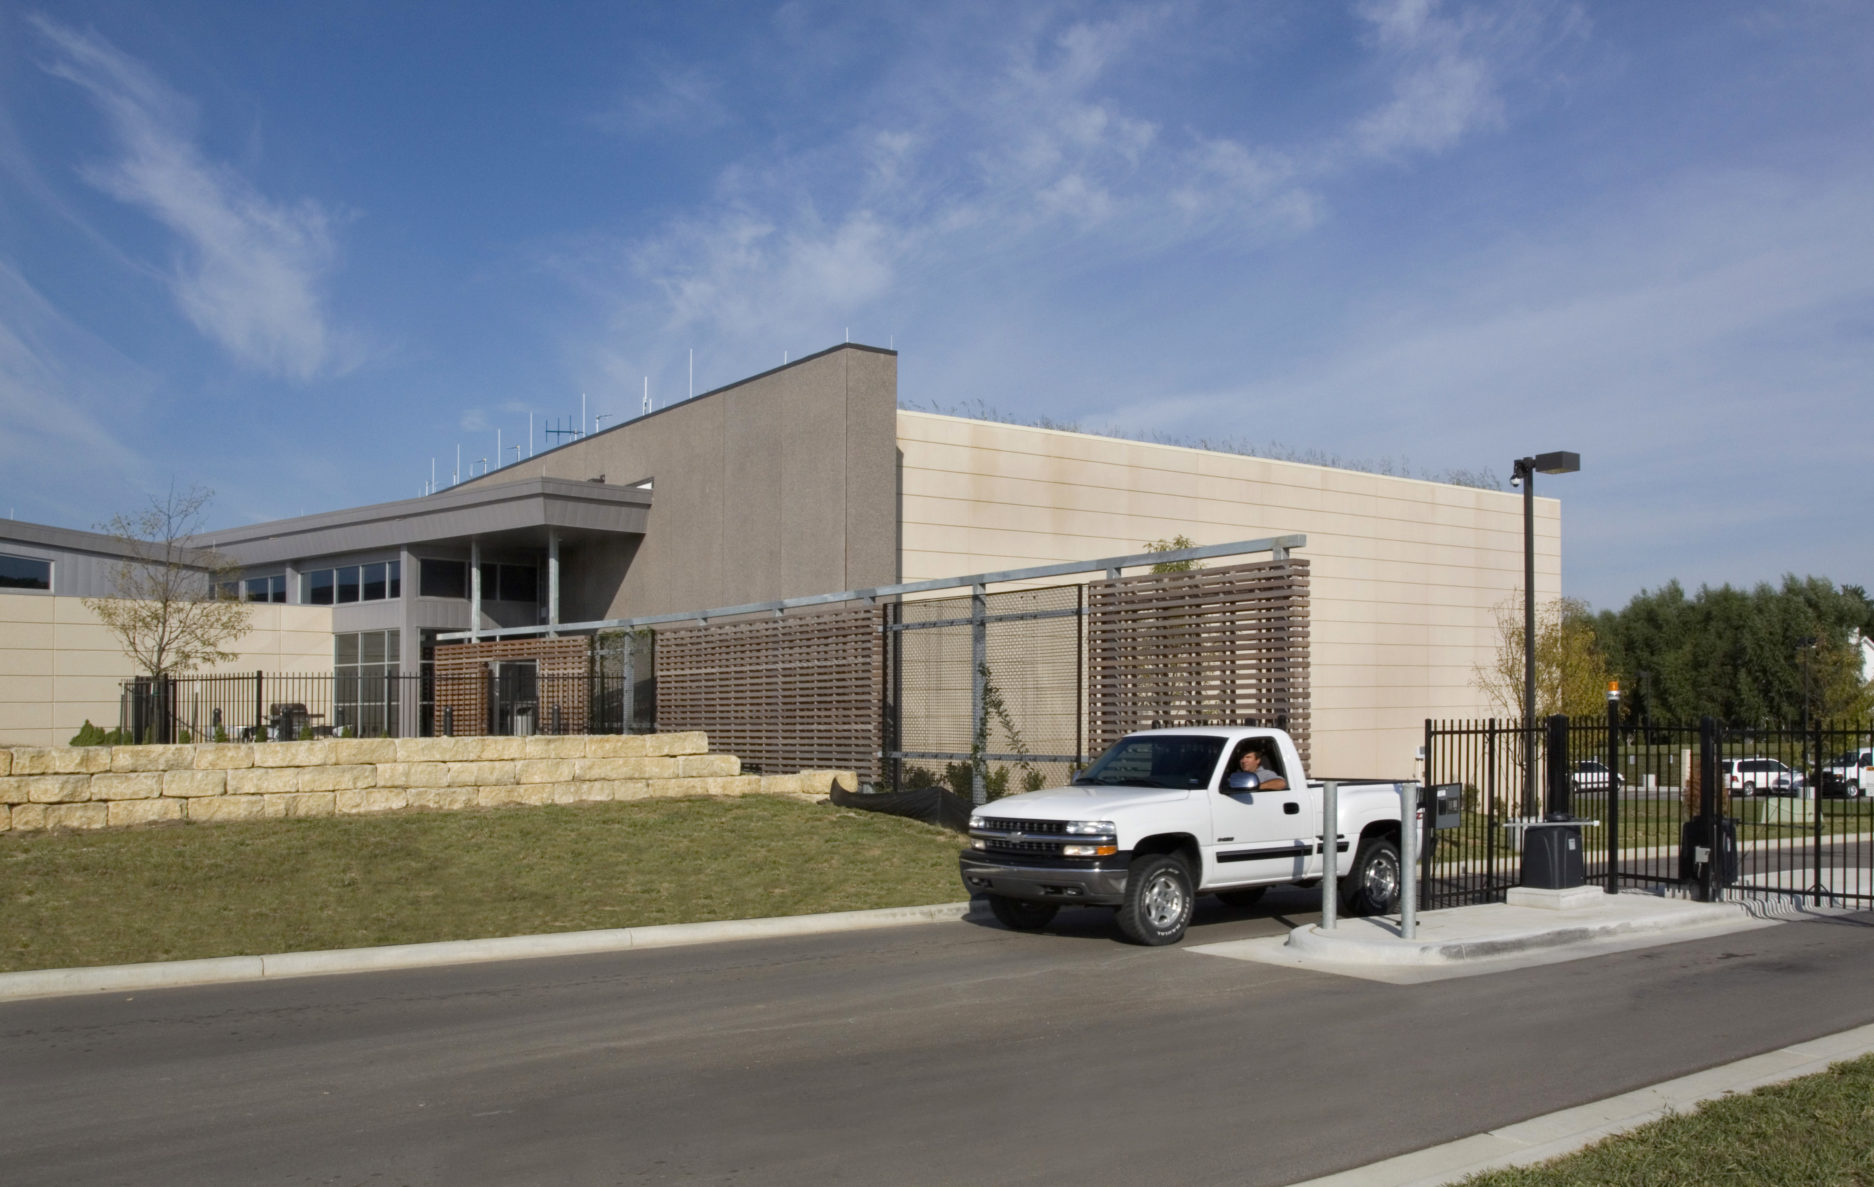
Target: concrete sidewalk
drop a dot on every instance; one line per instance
(1534, 927)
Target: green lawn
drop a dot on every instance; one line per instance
(1819, 1129)
(176, 892)
(1651, 822)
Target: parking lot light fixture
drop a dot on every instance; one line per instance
(1523, 473)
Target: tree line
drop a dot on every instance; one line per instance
(1771, 654)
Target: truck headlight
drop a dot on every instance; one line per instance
(976, 822)
(1089, 828)
(1089, 850)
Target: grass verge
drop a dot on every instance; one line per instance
(177, 892)
(1819, 1129)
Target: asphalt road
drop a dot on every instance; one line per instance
(942, 1053)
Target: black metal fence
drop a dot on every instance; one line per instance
(1710, 810)
(288, 706)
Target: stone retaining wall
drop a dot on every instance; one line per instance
(115, 786)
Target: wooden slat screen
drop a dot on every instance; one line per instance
(462, 682)
(785, 694)
(1207, 647)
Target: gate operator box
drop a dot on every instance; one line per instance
(1443, 804)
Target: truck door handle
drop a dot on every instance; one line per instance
(1291, 808)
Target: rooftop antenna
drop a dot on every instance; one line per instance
(784, 358)
(457, 479)
(692, 371)
(849, 333)
(530, 435)
(497, 449)
(600, 417)
(517, 454)
(582, 414)
(484, 462)
(647, 395)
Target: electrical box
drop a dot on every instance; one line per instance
(1443, 804)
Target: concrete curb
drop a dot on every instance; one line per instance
(1542, 1138)
(227, 969)
(1346, 946)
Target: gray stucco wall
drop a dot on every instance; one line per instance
(778, 486)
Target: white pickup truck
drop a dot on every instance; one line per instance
(1169, 814)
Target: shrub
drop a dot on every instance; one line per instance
(91, 735)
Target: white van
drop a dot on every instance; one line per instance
(1850, 774)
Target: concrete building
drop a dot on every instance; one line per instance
(809, 479)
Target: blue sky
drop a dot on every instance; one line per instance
(294, 252)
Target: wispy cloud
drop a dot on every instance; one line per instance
(661, 96)
(249, 270)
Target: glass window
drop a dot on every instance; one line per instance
(345, 649)
(229, 591)
(374, 580)
(520, 583)
(276, 589)
(443, 579)
(371, 647)
(1180, 761)
(396, 579)
(491, 582)
(25, 572)
(319, 587)
(348, 584)
(266, 589)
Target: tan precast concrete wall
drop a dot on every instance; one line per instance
(1406, 573)
(60, 666)
(85, 787)
(778, 486)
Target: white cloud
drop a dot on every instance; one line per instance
(250, 270)
(664, 96)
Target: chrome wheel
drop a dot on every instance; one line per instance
(1380, 876)
(1164, 901)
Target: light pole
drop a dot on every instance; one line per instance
(1523, 473)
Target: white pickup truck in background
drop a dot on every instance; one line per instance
(1155, 822)
(1851, 774)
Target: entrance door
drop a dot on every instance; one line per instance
(514, 703)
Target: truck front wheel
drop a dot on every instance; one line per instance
(1020, 914)
(1158, 901)
(1372, 887)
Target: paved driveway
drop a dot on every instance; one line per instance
(943, 1053)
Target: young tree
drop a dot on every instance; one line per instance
(1571, 673)
(1175, 544)
(168, 606)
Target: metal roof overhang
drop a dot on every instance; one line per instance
(505, 513)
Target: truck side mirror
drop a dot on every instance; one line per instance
(1239, 781)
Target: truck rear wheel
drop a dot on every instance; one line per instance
(1372, 886)
(1020, 914)
(1158, 901)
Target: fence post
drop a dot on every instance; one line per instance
(1429, 849)
(979, 676)
(1613, 790)
(260, 723)
(1708, 807)
(1558, 773)
(1815, 794)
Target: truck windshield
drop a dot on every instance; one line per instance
(1161, 760)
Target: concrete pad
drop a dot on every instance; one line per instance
(1470, 941)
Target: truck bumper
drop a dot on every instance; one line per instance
(1097, 886)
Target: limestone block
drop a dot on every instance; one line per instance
(548, 770)
(190, 784)
(672, 789)
(15, 789)
(152, 758)
(709, 765)
(780, 784)
(352, 751)
(128, 812)
(688, 742)
(577, 792)
(77, 815)
(622, 789)
(413, 774)
(336, 778)
(627, 768)
(292, 754)
(263, 781)
(372, 799)
(57, 789)
(61, 760)
(502, 749)
(618, 745)
(224, 756)
(6, 818)
(227, 807)
(306, 803)
(6, 763)
(516, 793)
(442, 799)
(552, 746)
(413, 750)
(28, 818)
(483, 774)
(736, 785)
(128, 785)
(822, 782)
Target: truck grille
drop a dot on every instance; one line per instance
(998, 845)
(1026, 826)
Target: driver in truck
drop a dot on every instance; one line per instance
(1251, 764)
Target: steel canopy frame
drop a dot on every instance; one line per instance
(1278, 545)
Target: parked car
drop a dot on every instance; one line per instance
(1850, 774)
(1592, 775)
(1759, 776)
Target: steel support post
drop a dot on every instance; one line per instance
(1330, 855)
(1408, 860)
(1613, 791)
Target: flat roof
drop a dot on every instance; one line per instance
(527, 505)
(39, 535)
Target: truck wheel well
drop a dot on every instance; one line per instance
(1181, 844)
(1389, 829)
